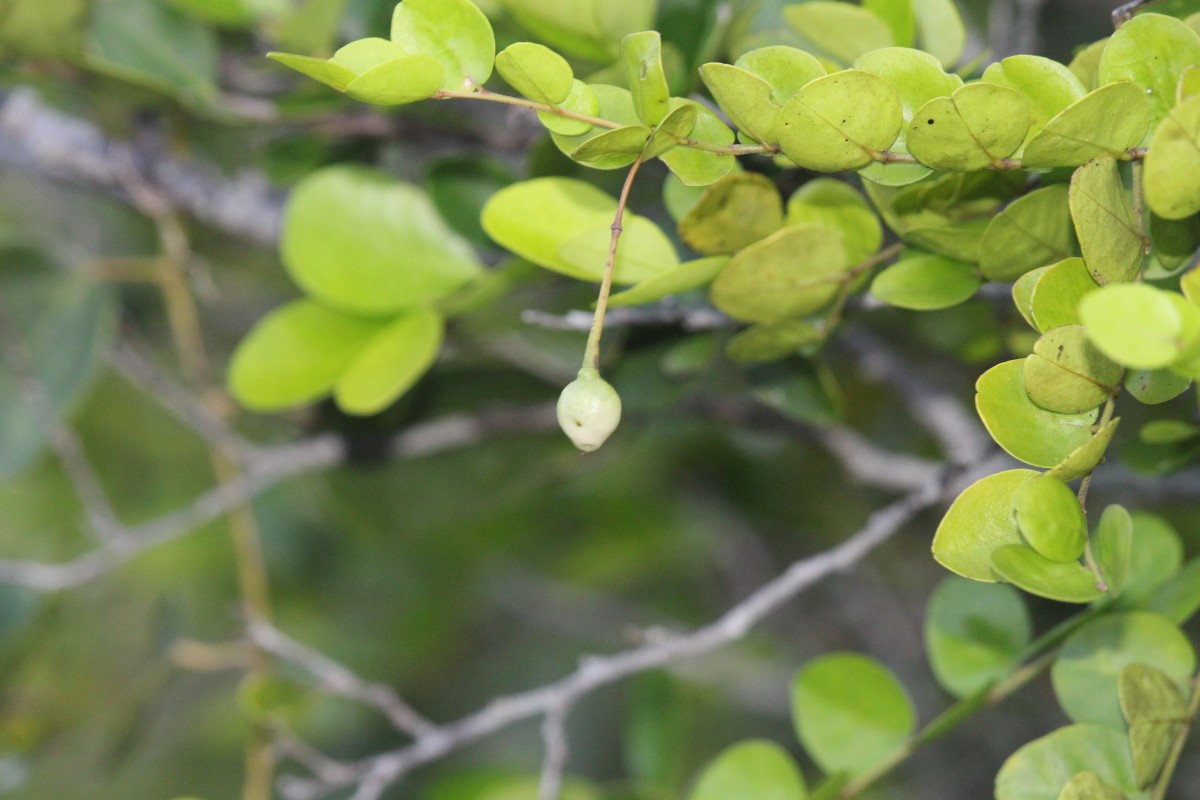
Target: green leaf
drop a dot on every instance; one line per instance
(1065, 373)
(454, 32)
(364, 243)
(1051, 519)
(327, 72)
(786, 69)
(841, 30)
(838, 205)
(1105, 223)
(850, 712)
(1152, 50)
(1107, 122)
(393, 83)
(296, 354)
(460, 187)
(615, 104)
(918, 77)
(1085, 676)
(771, 341)
(390, 363)
(676, 280)
(791, 273)
(1088, 786)
(1167, 431)
(641, 55)
(980, 520)
(1178, 598)
(1022, 293)
(1024, 429)
(696, 167)
(1156, 712)
(1156, 558)
(1086, 64)
(154, 45)
(582, 99)
(587, 29)
(613, 149)
(1048, 86)
(926, 282)
(674, 128)
(644, 252)
(1027, 569)
(1139, 326)
(1154, 386)
(751, 770)
(1114, 547)
(67, 322)
(974, 634)
(977, 127)
(536, 71)
(363, 55)
(1173, 160)
(734, 213)
(1173, 243)
(1083, 459)
(1056, 294)
(1031, 232)
(961, 241)
(745, 98)
(940, 30)
(900, 17)
(840, 122)
(1041, 769)
(37, 28)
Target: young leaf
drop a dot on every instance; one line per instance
(752, 770)
(674, 128)
(613, 149)
(695, 167)
(536, 71)
(840, 122)
(1024, 567)
(1173, 161)
(641, 55)
(1042, 768)
(836, 204)
(388, 365)
(1086, 673)
(1031, 232)
(925, 283)
(850, 712)
(1056, 293)
(295, 355)
(1083, 459)
(362, 242)
(1114, 547)
(734, 213)
(1051, 519)
(1104, 221)
(977, 127)
(1105, 123)
(841, 30)
(454, 32)
(676, 280)
(974, 634)
(791, 273)
(1026, 430)
(980, 520)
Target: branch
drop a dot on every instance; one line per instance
(373, 775)
(689, 319)
(35, 137)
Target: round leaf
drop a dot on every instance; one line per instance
(455, 32)
(771, 341)
(1108, 231)
(980, 520)
(1055, 296)
(1024, 429)
(940, 30)
(1139, 326)
(695, 167)
(745, 98)
(676, 280)
(1031, 232)
(974, 634)
(610, 102)
(1051, 519)
(581, 99)
(836, 204)
(1107, 122)
(842, 30)
(1048, 86)
(1152, 50)
(1114, 547)
(536, 71)
(734, 213)
(789, 274)
(1154, 386)
(750, 770)
(1084, 458)
(390, 363)
(295, 355)
(925, 283)
(644, 252)
(850, 712)
(1156, 711)
(365, 243)
(1086, 673)
(840, 122)
(1173, 161)
(641, 56)
(1024, 567)
(1156, 557)
(977, 127)
(1041, 769)
(786, 69)
(393, 83)
(1067, 374)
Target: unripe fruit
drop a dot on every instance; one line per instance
(589, 410)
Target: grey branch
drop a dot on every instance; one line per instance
(689, 319)
(374, 774)
(35, 137)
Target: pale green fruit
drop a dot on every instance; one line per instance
(589, 410)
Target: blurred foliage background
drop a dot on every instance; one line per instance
(459, 575)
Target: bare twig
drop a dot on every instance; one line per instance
(374, 774)
(554, 764)
(689, 319)
(337, 679)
